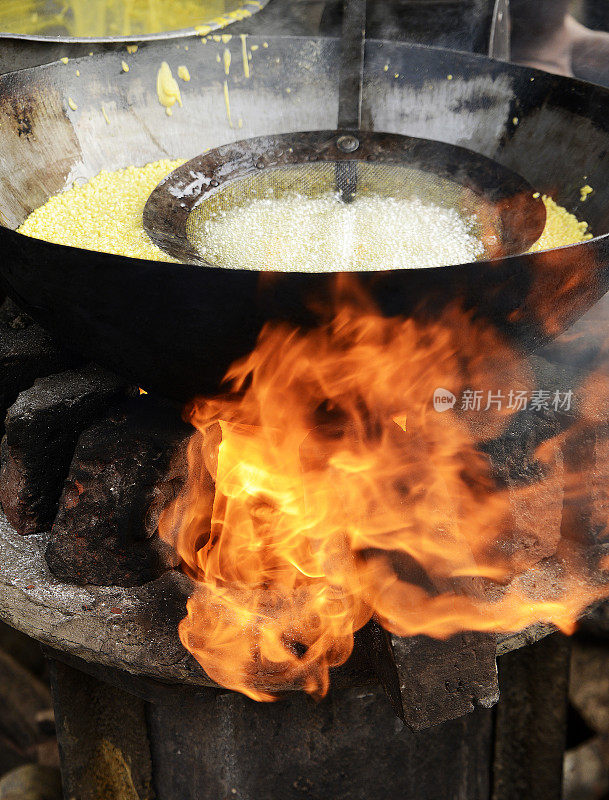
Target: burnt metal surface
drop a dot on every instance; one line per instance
(531, 721)
(499, 45)
(522, 215)
(103, 742)
(347, 747)
(458, 24)
(198, 744)
(351, 74)
(176, 328)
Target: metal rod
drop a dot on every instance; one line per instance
(499, 43)
(352, 65)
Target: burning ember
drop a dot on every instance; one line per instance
(325, 489)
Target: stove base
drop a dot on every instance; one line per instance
(176, 742)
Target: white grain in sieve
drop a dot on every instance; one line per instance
(295, 233)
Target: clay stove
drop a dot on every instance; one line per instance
(86, 457)
(89, 463)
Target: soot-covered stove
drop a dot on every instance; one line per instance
(92, 461)
(88, 465)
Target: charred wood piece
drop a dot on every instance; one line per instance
(104, 531)
(444, 680)
(27, 352)
(376, 643)
(428, 682)
(42, 428)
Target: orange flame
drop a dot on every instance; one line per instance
(324, 489)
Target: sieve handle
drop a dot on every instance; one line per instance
(353, 40)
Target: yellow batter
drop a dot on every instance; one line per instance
(167, 88)
(85, 18)
(106, 214)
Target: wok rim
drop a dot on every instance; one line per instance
(254, 6)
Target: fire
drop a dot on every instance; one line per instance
(324, 489)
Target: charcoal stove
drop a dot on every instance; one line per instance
(136, 715)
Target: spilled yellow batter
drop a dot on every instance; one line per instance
(105, 214)
(167, 88)
(245, 55)
(183, 73)
(227, 104)
(86, 18)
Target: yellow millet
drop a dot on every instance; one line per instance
(105, 214)
(562, 228)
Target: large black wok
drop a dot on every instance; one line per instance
(176, 328)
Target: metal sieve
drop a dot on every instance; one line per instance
(508, 216)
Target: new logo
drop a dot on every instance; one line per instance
(443, 400)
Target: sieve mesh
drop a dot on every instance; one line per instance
(318, 179)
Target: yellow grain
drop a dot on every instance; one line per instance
(562, 228)
(105, 214)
